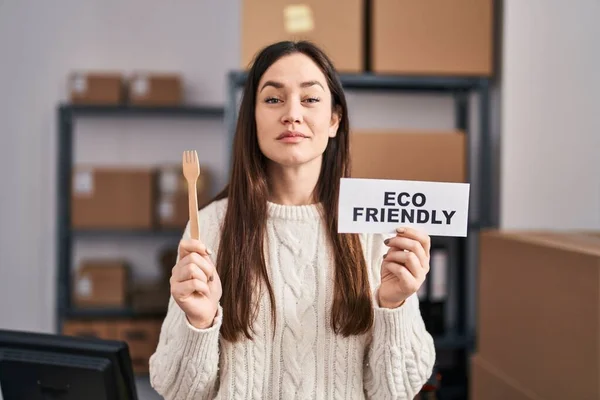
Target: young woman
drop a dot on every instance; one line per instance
(273, 303)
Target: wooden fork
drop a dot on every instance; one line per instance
(191, 172)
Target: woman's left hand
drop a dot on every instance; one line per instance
(403, 272)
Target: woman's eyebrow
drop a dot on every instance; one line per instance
(276, 85)
(311, 83)
(279, 85)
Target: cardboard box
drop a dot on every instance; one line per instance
(173, 202)
(142, 338)
(99, 329)
(113, 198)
(101, 283)
(432, 37)
(488, 383)
(337, 28)
(155, 89)
(539, 311)
(101, 88)
(425, 156)
(151, 297)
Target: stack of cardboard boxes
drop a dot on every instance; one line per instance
(383, 36)
(127, 199)
(539, 317)
(117, 88)
(105, 283)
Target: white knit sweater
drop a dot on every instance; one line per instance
(304, 359)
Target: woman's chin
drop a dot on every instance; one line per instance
(292, 161)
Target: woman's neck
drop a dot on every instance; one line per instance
(293, 185)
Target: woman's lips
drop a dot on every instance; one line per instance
(291, 137)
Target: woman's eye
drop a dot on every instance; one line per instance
(272, 100)
(312, 100)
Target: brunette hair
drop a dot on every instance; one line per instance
(241, 261)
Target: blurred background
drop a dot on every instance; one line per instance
(98, 99)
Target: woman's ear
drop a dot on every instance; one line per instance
(336, 117)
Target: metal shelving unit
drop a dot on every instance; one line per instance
(459, 88)
(67, 113)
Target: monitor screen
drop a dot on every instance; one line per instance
(39, 366)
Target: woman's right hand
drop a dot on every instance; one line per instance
(195, 284)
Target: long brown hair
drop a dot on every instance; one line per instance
(241, 261)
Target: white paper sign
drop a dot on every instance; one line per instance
(382, 205)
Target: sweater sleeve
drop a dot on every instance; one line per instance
(186, 361)
(401, 353)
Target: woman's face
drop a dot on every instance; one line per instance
(294, 119)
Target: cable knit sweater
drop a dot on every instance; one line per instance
(305, 359)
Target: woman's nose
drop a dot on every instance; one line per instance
(292, 114)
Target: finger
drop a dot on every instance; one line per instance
(187, 288)
(205, 265)
(409, 260)
(404, 243)
(189, 271)
(404, 275)
(187, 246)
(416, 234)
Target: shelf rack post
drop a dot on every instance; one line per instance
(63, 201)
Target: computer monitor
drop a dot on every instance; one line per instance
(39, 366)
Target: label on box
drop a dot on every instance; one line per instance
(169, 181)
(298, 18)
(382, 205)
(83, 288)
(141, 85)
(166, 210)
(83, 183)
(79, 83)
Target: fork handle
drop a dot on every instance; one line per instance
(193, 203)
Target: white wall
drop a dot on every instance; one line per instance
(550, 127)
(40, 42)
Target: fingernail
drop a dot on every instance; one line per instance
(209, 251)
(386, 241)
(400, 230)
